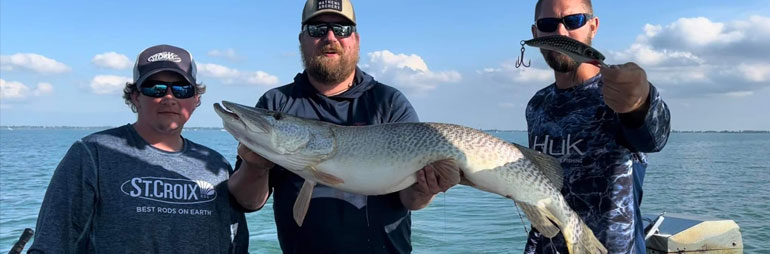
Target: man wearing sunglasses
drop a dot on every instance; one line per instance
(334, 90)
(599, 122)
(142, 187)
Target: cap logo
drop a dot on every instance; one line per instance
(329, 4)
(165, 56)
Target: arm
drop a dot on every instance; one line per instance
(643, 115)
(66, 215)
(647, 129)
(249, 182)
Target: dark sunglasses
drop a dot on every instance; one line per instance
(571, 22)
(157, 89)
(320, 29)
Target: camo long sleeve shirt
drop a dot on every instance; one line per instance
(603, 159)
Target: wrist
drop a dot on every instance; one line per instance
(415, 199)
(635, 118)
(256, 168)
(419, 193)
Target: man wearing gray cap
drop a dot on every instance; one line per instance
(333, 89)
(142, 187)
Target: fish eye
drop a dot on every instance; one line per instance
(277, 116)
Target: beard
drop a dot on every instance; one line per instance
(330, 70)
(560, 62)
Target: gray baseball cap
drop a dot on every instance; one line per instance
(317, 7)
(164, 58)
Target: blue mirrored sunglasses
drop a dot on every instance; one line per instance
(157, 89)
(571, 22)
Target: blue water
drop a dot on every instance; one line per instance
(718, 175)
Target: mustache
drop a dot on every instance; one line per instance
(333, 48)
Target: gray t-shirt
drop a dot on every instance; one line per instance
(113, 192)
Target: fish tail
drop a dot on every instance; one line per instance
(580, 238)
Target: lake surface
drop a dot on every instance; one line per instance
(722, 175)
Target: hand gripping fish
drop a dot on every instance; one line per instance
(381, 159)
(578, 51)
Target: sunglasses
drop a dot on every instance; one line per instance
(157, 89)
(320, 29)
(571, 22)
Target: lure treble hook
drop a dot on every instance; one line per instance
(520, 61)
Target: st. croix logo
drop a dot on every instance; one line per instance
(170, 191)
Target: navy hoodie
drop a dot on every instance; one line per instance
(338, 221)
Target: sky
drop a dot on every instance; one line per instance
(64, 63)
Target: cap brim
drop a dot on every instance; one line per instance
(144, 77)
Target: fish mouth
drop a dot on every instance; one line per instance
(222, 112)
(241, 117)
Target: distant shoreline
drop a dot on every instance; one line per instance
(28, 127)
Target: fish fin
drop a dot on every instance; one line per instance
(447, 169)
(303, 202)
(547, 164)
(299, 162)
(326, 178)
(579, 238)
(586, 243)
(539, 219)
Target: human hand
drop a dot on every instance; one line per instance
(437, 177)
(254, 160)
(625, 87)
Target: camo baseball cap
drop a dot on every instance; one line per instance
(317, 7)
(164, 58)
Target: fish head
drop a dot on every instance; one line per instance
(268, 133)
(591, 55)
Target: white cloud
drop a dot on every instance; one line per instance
(383, 60)
(112, 60)
(13, 90)
(407, 71)
(755, 72)
(261, 78)
(739, 94)
(700, 32)
(43, 88)
(218, 71)
(18, 91)
(109, 84)
(645, 55)
(697, 56)
(227, 54)
(679, 76)
(233, 76)
(735, 40)
(31, 61)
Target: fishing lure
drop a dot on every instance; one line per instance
(578, 51)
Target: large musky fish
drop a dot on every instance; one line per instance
(381, 159)
(578, 51)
